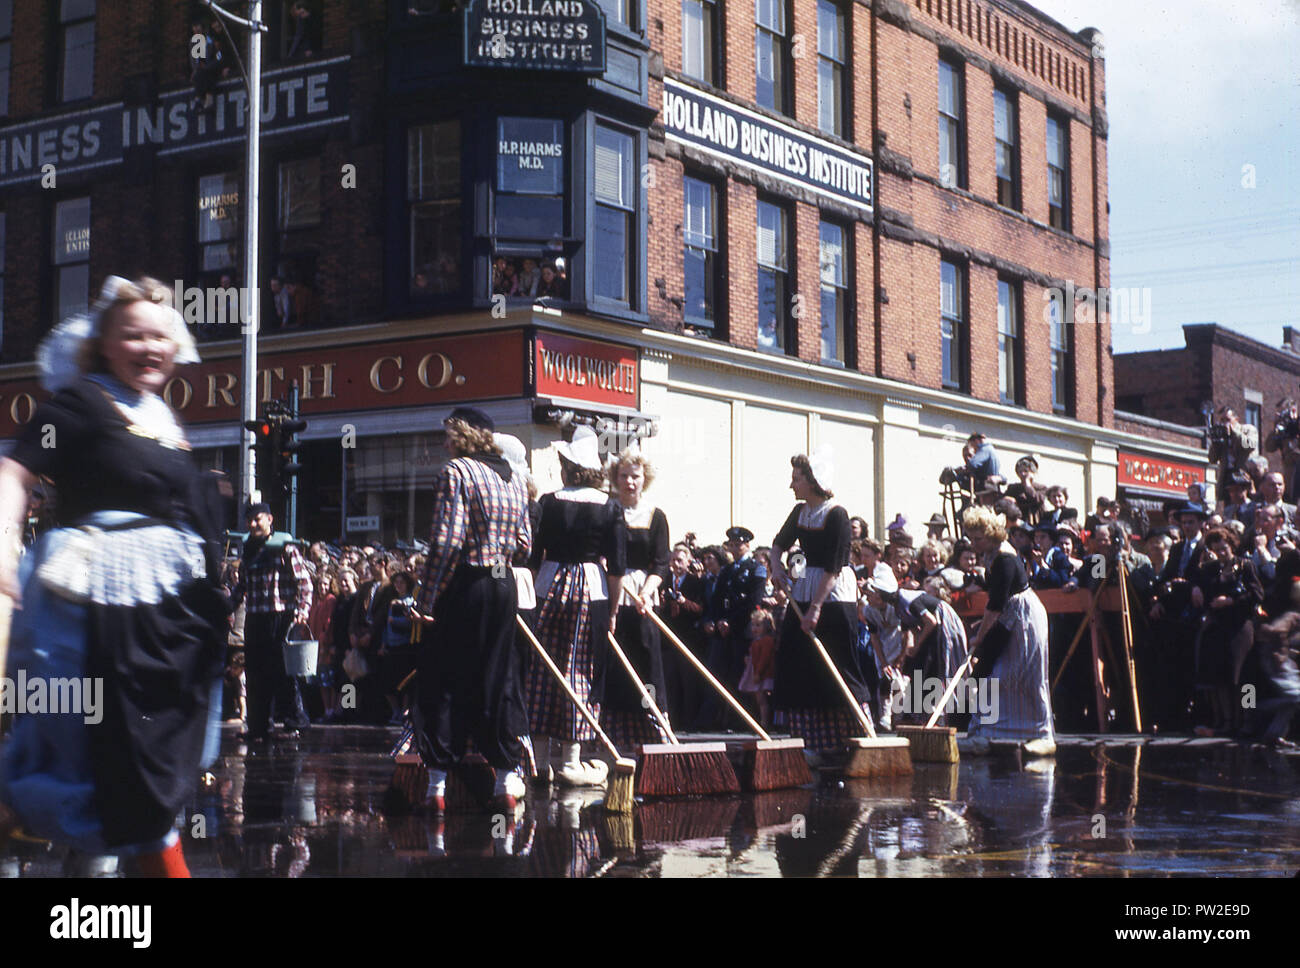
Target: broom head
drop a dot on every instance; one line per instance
(933, 744)
(408, 786)
(470, 784)
(883, 756)
(775, 764)
(685, 769)
(618, 791)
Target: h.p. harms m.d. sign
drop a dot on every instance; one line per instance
(552, 35)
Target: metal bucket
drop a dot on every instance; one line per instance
(300, 652)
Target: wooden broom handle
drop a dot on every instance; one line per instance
(645, 693)
(952, 688)
(1126, 617)
(564, 684)
(839, 679)
(703, 670)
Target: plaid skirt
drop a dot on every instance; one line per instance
(628, 730)
(567, 623)
(824, 728)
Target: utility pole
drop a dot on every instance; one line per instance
(250, 318)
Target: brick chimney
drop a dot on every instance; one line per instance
(1291, 339)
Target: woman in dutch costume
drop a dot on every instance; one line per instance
(1011, 644)
(580, 526)
(133, 605)
(624, 715)
(827, 594)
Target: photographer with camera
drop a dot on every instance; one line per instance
(1285, 439)
(982, 466)
(1232, 443)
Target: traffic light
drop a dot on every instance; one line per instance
(266, 449)
(289, 445)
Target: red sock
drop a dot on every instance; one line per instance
(164, 863)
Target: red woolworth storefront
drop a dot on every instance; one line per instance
(1151, 482)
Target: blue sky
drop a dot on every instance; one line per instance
(1197, 91)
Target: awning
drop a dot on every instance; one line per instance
(1146, 498)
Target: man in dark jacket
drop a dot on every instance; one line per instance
(683, 603)
(276, 589)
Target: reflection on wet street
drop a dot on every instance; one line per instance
(312, 807)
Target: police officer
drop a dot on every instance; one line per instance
(741, 585)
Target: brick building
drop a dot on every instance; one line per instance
(1216, 366)
(736, 230)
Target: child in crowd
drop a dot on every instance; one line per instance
(760, 665)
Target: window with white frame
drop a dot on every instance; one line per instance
(771, 55)
(1006, 137)
(1011, 347)
(615, 192)
(831, 67)
(1058, 173)
(954, 342)
(699, 40)
(951, 130)
(700, 252)
(773, 276)
(832, 248)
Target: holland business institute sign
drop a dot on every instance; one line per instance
(551, 35)
(294, 98)
(728, 131)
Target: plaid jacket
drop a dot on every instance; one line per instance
(478, 520)
(275, 582)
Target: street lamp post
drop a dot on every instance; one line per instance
(250, 315)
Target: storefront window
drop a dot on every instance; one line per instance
(393, 477)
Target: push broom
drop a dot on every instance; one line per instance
(937, 744)
(871, 755)
(676, 768)
(773, 764)
(618, 794)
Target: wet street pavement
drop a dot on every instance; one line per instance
(1113, 807)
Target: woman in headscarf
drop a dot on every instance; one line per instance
(579, 552)
(124, 593)
(827, 594)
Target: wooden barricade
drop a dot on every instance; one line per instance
(1108, 598)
